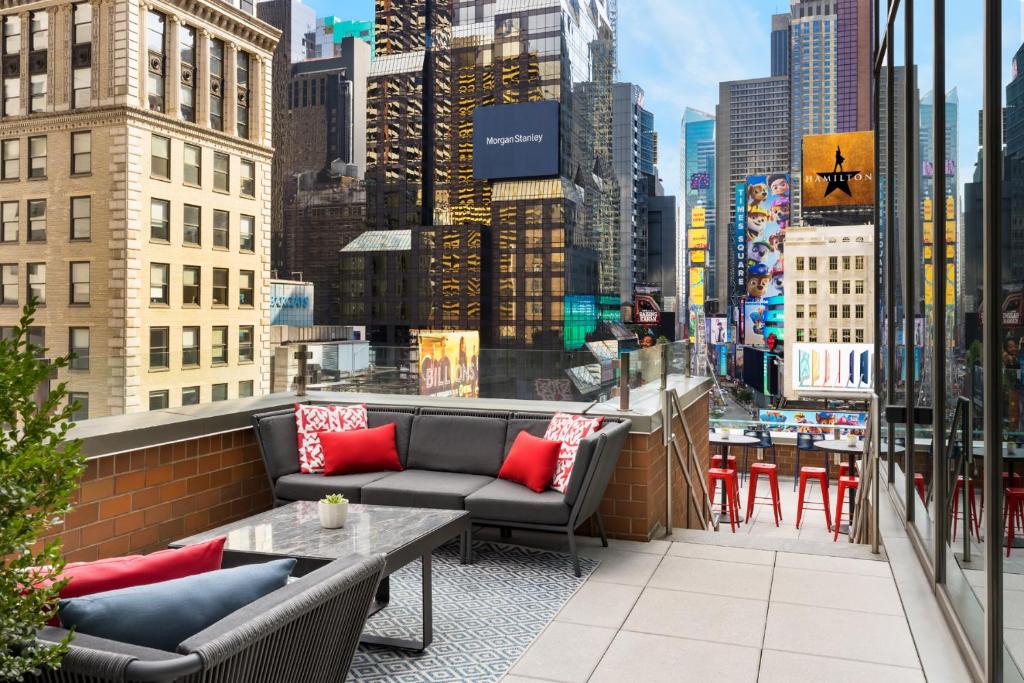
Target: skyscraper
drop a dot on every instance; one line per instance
(752, 136)
(854, 66)
(495, 254)
(780, 44)
(330, 32)
(698, 188)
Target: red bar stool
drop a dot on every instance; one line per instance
(957, 492)
(844, 483)
(716, 461)
(732, 491)
(819, 475)
(1013, 502)
(1008, 482)
(919, 485)
(770, 472)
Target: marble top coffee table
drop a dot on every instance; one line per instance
(293, 530)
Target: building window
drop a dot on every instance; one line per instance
(858, 335)
(220, 229)
(81, 87)
(37, 282)
(812, 263)
(248, 175)
(812, 311)
(812, 335)
(12, 34)
(37, 157)
(80, 401)
(846, 263)
(159, 283)
(846, 336)
(799, 311)
(81, 153)
(858, 262)
(219, 392)
(799, 262)
(193, 170)
(187, 58)
(192, 225)
(219, 354)
(859, 287)
(799, 335)
(846, 311)
(8, 216)
(190, 396)
(36, 220)
(217, 84)
(39, 25)
(81, 218)
(156, 46)
(12, 96)
(247, 233)
(812, 286)
(78, 344)
(221, 172)
(159, 400)
(833, 263)
(833, 336)
(220, 286)
(833, 287)
(37, 340)
(81, 60)
(859, 311)
(160, 220)
(160, 157)
(846, 286)
(37, 93)
(242, 84)
(833, 311)
(82, 23)
(11, 161)
(246, 287)
(799, 286)
(245, 389)
(190, 346)
(191, 280)
(80, 282)
(159, 348)
(9, 284)
(245, 338)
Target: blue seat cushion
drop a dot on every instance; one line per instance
(162, 615)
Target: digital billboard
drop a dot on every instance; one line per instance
(839, 169)
(516, 140)
(741, 234)
(698, 217)
(718, 330)
(811, 421)
(767, 213)
(449, 364)
(697, 238)
(696, 286)
(831, 366)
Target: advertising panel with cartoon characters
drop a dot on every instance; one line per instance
(812, 422)
(767, 217)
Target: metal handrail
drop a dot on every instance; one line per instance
(672, 407)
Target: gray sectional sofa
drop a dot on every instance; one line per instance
(451, 460)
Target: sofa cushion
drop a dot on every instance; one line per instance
(535, 426)
(424, 489)
(278, 440)
(161, 615)
(583, 463)
(360, 450)
(299, 486)
(456, 443)
(570, 430)
(403, 428)
(310, 420)
(504, 500)
(531, 462)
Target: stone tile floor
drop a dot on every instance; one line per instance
(766, 605)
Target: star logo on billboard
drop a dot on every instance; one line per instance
(839, 178)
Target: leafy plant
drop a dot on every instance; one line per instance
(333, 499)
(39, 471)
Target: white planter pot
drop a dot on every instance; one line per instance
(332, 516)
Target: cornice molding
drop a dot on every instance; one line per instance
(227, 19)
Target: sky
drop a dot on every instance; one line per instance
(679, 50)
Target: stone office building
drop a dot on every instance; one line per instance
(135, 154)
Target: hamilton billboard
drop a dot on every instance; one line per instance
(516, 141)
(839, 169)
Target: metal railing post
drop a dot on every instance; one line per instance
(876, 500)
(624, 381)
(664, 366)
(968, 453)
(667, 427)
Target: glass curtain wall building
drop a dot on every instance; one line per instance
(698, 187)
(493, 254)
(952, 427)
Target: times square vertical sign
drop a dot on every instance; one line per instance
(741, 236)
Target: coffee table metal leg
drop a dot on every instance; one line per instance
(382, 599)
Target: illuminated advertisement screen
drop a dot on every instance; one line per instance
(700, 180)
(841, 367)
(741, 234)
(516, 140)
(698, 217)
(761, 320)
(450, 364)
(839, 169)
(581, 316)
(718, 330)
(697, 238)
(812, 422)
(767, 217)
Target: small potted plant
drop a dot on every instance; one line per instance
(333, 509)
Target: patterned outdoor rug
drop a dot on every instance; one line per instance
(485, 614)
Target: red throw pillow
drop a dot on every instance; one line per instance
(531, 462)
(86, 578)
(310, 420)
(360, 450)
(569, 430)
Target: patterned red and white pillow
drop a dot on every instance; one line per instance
(310, 419)
(570, 430)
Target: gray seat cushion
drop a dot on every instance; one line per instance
(424, 489)
(456, 443)
(300, 486)
(503, 500)
(279, 442)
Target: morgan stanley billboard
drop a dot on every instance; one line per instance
(516, 141)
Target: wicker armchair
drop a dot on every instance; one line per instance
(309, 629)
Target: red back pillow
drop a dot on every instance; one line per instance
(361, 450)
(531, 462)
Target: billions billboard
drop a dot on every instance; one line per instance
(767, 213)
(516, 140)
(449, 364)
(839, 169)
(832, 366)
